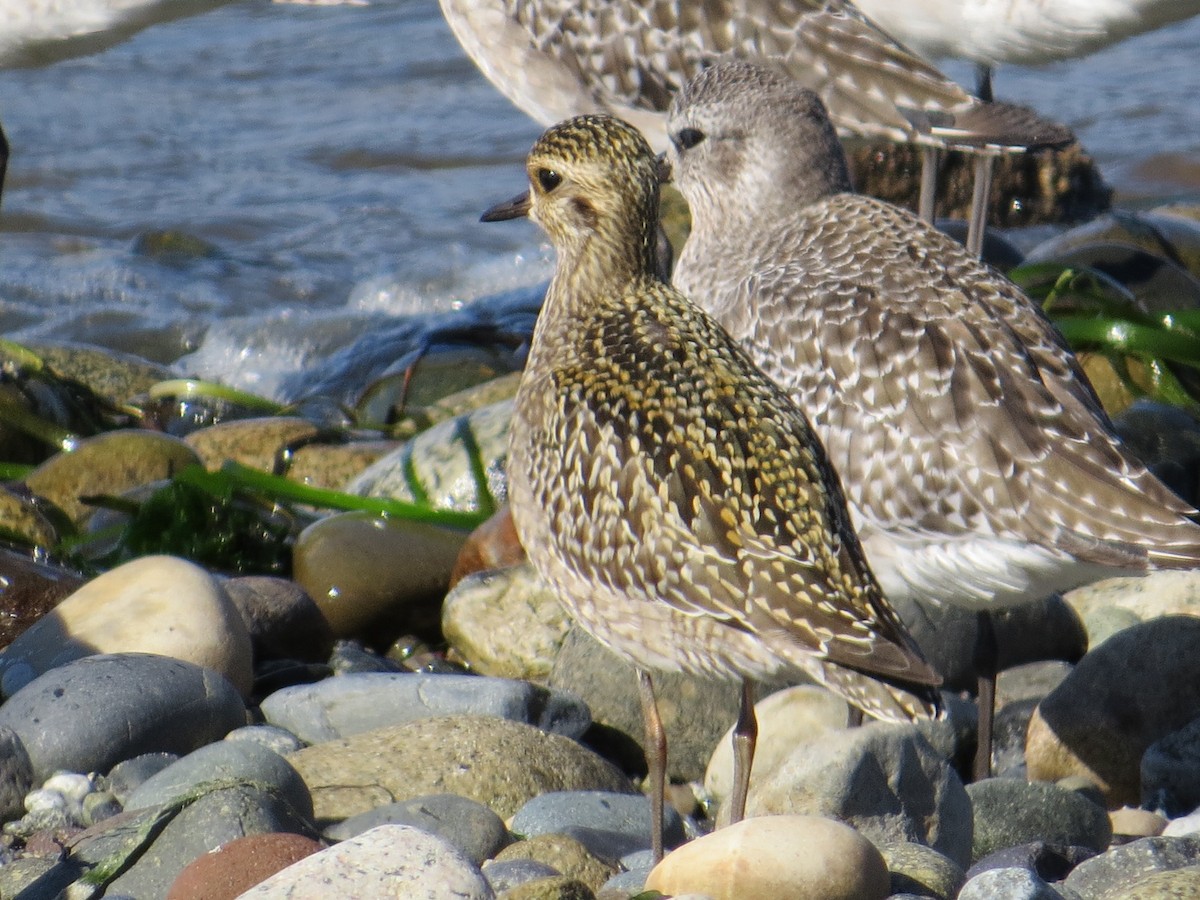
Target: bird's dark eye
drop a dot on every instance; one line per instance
(548, 179)
(687, 138)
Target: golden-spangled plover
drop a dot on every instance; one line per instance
(675, 498)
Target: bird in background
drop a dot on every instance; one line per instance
(673, 497)
(557, 58)
(36, 31)
(1021, 32)
(979, 466)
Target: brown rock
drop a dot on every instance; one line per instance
(283, 621)
(110, 463)
(493, 545)
(1100, 720)
(29, 590)
(564, 853)
(258, 443)
(239, 865)
(498, 763)
(781, 857)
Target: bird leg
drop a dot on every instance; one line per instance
(745, 737)
(927, 204)
(987, 658)
(979, 203)
(656, 762)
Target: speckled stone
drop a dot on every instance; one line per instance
(471, 827)
(90, 714)
(351, 704)
(884, 779)
(780, 857)
(1010, 884)
(917, 869)
(564, 854)
(505, 623)
(786, 719)
(1171, 771)
(1099, 722)
(608, 824)
(486, 759)
(1008, 812)
(109, 463)
(387, 861)
(1111, 874)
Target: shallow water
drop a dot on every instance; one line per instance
(336, 159)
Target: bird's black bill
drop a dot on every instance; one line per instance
(516, 208)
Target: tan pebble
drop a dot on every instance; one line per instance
(781, 857)
(1136, 822)
(154, 604)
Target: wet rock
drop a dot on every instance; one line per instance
(29, 590)
(223, 762)
(776, 856)
(351, 704)
(885, 780)
(457, 464)
(566, 855)
(1140, 598)
(493, 545)
(505, 623)
(1050, 862)
(258, 443)
(485, 759)
(610, 825)
(239, 865)
(390, 860)
(90, 714)
(24, 522)
(283, 620)
(1130, 822)
(1112, 707)
(420, 379)
(154, 604)
(695, 711)
(1167, 439)
(556, 887)
(510, 873)
(1008, 813)
(1170, 771)
(371, 574)
(16, 775)
(1163, 233)
(917, 869)
(201, 826)
(110, 463)
(1032, 632)
(471, 827)
(786, 719)
(116, 376)
(1051, 186)
(1011, 884)
(1156, 282)
(1110, 875)
(332, 466)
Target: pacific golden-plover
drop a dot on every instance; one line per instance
(674, 498)
(557, 58)
(979, 465)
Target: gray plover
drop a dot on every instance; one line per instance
(978, 463)
(676, 499)
(1025, 32)
(557, 58)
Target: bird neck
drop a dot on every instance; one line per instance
(600, 263)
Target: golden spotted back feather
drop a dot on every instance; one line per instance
(672, 494)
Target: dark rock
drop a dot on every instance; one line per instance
(470, 826)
